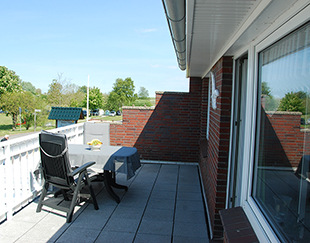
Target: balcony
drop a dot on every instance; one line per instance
(164, 202)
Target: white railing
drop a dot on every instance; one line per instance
(19, 158)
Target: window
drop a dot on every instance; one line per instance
(281, 181)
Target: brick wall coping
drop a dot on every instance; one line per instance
(170, 92)
(138, 108)
(237, 227)
(284, 113)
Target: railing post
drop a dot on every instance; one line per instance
(9, 179)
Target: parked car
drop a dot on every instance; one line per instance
(94, 112)
(84, 112)
(112, 113)
(107, 112)
(118, 113)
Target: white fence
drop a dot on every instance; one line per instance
(19, 158)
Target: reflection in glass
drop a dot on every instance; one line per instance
(281, 182)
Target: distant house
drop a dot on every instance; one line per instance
(65, 116)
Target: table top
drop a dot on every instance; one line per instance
(114, 158)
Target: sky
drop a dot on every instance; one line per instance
(102, 39)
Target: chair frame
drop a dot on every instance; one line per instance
(65, 180)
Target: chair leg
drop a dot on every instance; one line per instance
(74, 198)
(43, 195)
(92, 194)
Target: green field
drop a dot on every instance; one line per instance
(6, 124)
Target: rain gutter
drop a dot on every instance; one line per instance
(176, 16)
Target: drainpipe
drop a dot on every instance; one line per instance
(175, 14)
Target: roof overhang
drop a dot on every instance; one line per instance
(216, 28)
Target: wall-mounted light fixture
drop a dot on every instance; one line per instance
(215, 93)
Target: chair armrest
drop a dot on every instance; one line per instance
(81, 168)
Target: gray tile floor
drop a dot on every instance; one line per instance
(163, 204)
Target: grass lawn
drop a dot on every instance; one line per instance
(6, 127)
(6, 124)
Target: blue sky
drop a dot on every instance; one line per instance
(103, 39)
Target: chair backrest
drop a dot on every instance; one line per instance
(99, 131)
(55, 158)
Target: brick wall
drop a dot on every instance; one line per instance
(169, 132)
(214, 167)
(175, 130)
(284, 140)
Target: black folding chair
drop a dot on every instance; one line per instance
(57, 171)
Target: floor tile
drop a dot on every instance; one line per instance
(78, 234)
(188, 239)
(123, 211)
(192, 196)
(155, 227)
(115, 237)
(158, 214)
(190, 229)
(142, 238)
(161, 204)
(122, 225)
(190, 216)
(189, 205)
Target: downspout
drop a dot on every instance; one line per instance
(175, 14)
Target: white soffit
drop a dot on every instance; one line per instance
(213, 26)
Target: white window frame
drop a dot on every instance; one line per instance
(258, 221)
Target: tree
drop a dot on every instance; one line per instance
(83, 89)
(143, 93)
(95, 99)
(266, 89)
(12, 101)
(72, 96)
(27, 86)
(292, 102)
(54, 94)
(122, 94)
(9, 81)
(63, 93)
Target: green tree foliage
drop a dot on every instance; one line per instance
(62, 93)
(143, 93)
(38, 91)
(42, 104)
(293, 101)
(122, 94)
(9, 81)
(12, 101)
(72, 96)
(96, 99)
(27, 86)
(29, 118)
(83, 89)
(271, 103)
(54, 94)
(142, 102)
(266, 89)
